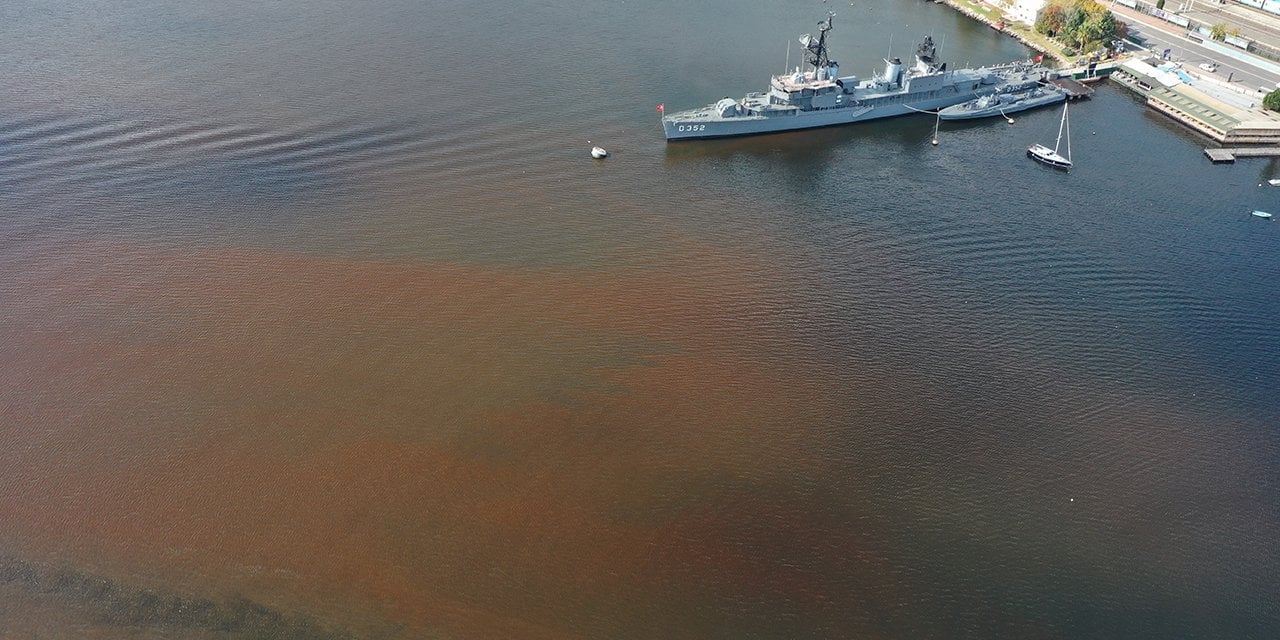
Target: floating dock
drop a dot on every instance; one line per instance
(1073, 88)
(1220, 156)
(1229, 155)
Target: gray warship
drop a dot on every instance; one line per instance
(1004, 103)
(820, 97)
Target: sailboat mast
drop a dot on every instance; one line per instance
(1067, 121)
(1061, 125)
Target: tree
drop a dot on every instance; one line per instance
(1080, 24)
(1122, 29)
(1218, 31)
(1051, 19)
(1088, 34)
(1075, 19)
(1272, 101)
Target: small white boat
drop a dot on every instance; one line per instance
(1275, 182)
(599, 152)
(1262, 214)
(1041, 153)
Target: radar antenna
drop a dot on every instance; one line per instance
(926, 51)
(818, 48)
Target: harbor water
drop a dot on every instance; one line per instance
(320, 321)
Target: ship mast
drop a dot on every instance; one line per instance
(818, 48)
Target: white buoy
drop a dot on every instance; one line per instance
(599, 152)
(1010, 120)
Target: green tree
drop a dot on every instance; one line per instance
(1159, 4)
(1076, 18)
(1081, 24)
(1089, 36)
(1272, 101)
(1218, 31)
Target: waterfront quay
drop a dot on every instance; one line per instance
(1208, 98)
(1211, 108)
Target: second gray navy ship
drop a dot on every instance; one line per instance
(820, 97)
(1004, 103)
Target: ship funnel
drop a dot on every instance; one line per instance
(892, 70)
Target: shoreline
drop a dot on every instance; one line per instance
(964, 8)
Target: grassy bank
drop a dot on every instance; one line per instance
(994, 17)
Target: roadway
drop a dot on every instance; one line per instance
(1242, 70)
(1254, 24)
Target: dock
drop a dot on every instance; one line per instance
(1229, 155)
(1073, 88)
(1220, 156)
(1090, 73)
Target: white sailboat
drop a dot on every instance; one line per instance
(1051, 157)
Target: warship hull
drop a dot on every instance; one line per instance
(677, 128)
(1002, 105)
(820, 97)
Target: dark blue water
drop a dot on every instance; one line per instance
(319, 319)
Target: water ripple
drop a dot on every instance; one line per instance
(143, 156)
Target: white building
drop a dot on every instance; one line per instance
(1025, 10)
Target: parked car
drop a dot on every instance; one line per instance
(1209, 66)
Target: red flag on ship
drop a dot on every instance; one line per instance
(662, 107)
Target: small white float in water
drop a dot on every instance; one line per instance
(599, 152)
(1262, 214)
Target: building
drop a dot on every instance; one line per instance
(1216, 112)
(1025, 11)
